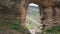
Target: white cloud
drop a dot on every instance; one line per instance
(32, 4)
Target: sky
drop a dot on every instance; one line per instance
(32, 4)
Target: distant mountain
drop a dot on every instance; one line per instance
(33, 7)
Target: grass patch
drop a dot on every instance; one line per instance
(54, 30)
(1, 24)
(15, 25)
(1, 30)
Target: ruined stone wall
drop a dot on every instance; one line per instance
(49, 10)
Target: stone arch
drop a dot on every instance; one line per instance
(47, 9)
(23, 12)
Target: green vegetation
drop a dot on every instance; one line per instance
(54, 30)
(13, 25)
(1, 23)
(1, 29)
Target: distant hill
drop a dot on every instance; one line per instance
(33, 6)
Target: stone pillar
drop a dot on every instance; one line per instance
(22, 13)
(46, 17)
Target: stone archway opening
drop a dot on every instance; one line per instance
(33, 18)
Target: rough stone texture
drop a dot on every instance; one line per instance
(49, 11)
